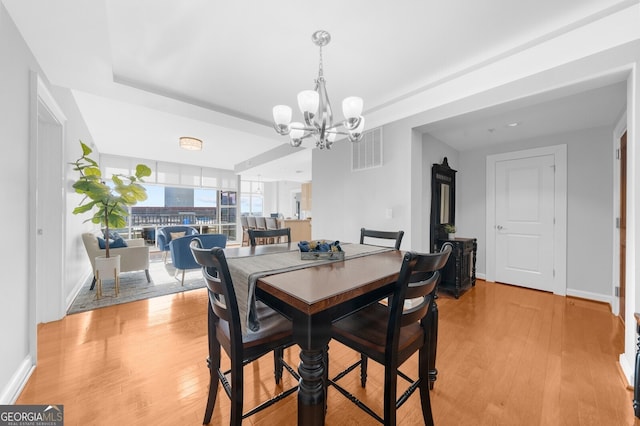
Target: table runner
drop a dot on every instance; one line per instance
(245, 271)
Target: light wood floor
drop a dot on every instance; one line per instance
(506, 356)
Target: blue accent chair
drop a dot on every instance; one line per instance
(164, 236)
(180, 250)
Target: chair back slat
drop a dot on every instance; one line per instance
(222, 296)
(216, 294)
(262, 235)
(417, 281)
(383, 235)
(418, 297)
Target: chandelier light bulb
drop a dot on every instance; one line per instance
(296, 130)
(308, 101)
(282, 115)
(352, 107)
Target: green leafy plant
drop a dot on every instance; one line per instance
(110, 204)
(449, 228)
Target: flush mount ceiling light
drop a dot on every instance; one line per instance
(316, 109)
(191, 144)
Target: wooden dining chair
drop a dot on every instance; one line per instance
(261, 222)
(384, 235)
(259, 236)
(391, 334)
(272, 222)
(245, 230)
(251, 222)
(224, 331)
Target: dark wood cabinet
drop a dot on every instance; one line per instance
(460, 271)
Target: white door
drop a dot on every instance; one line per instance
(524, 221)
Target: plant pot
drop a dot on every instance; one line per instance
(107, 267)
(451, 236)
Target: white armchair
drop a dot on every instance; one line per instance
(134, 257)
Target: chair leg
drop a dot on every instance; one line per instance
(278, 353)
(146, 271)
(214, 365)
(164, 256)
(182, 281)
(363, 370)
(213, 362)
(237, 393)
(93, 283)
(425, 384)
(325, 360)
(390, 388)
(433, 343)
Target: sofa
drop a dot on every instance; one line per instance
(134, 257)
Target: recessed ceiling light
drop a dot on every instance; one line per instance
(514, 124)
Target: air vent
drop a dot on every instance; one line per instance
(367, 154)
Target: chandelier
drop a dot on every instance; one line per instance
(316, 110)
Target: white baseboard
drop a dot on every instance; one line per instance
(76, 289)
(591, 296)
(12, 391)
(627, 370)
(481, 276)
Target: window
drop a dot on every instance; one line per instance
(252, 198)
(208, 210)
(203, 197)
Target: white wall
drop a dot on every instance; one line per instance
(14, 180)
(15, 328)
(278, 197)
(589, 205)
(286, 190)
(345, 201)
(77, 267)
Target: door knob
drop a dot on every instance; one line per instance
(499, 227)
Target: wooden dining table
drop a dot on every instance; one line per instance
(315, 296)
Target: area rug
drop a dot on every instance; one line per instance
(134, 286)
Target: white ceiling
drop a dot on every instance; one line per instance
(145, 72)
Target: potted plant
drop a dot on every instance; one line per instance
(450, 229)
(110, 203)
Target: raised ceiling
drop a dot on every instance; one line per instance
(146, 72)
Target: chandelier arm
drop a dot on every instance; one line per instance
(351, 124)
(310, 129)
(282, 131)
(309, 120)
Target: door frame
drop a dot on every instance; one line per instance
(618, 131)
(559, 152)
(41, 97)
